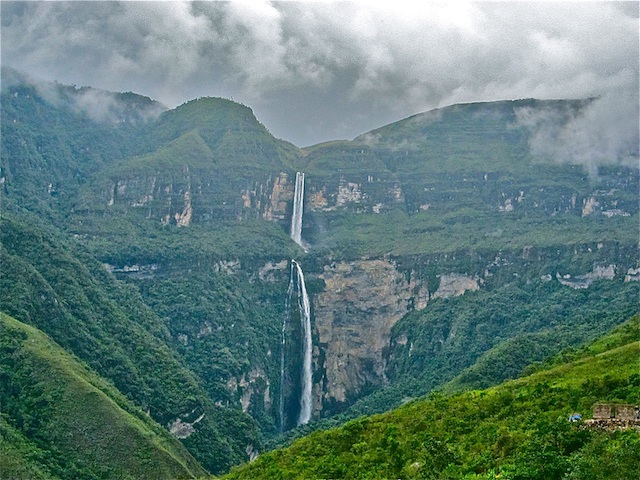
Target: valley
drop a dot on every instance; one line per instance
(440, 253)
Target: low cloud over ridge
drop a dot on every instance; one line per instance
(320, 71)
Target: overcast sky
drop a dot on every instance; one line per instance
(319, 71)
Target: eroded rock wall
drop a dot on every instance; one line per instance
(361, 302)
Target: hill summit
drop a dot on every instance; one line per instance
(154, 248)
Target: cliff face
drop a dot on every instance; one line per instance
(353, 319)
(195, 195)
(362, 300)
(188, 195)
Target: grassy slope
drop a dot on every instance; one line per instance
(219, 140)
(534, 350)
(68, 295)
(62, 419)
(516, 430)
(18, 456)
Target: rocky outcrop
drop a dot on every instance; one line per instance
(633, 275)
(361, 302)
(184, 219)
(589, 206)
(279, 198)
(188, 196)
(372, 195)
(584, 281)
(353, 317)
(348, 192)
(191, 195)
(251, 388)
(268, 272)
(455, 284)
(230, 267)
(318, 200)
(133, 271)
(271, 198)
(183, 429)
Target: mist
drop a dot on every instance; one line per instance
(321, 71)
(604, 132)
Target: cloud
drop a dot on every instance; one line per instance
(604, 132)
(317, 71)
(99, 105)
(109, 107)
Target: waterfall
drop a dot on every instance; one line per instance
(285, 322)
(296, 281)
(307, 348)
(298, 201)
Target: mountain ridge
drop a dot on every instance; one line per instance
(175, 230)
(76, 421)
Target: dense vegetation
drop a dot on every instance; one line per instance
(463, 178)
(60, 420)
(51, 145)
(153, 245)
(65, 293)
(518, 430)
(484, 338)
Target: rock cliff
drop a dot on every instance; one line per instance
(353, 318)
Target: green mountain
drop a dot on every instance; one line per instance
(197, 158)
(458, 178)
(60, 420)
(72, 298)
(154, 245)
(517, 430)
(55, 136)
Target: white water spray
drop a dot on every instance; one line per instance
(298, 201)
(307, 348)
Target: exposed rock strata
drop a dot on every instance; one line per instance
(361, 302)
(455, 284)
(281, 195)
(251, 388)
(354, 315)
(181, 429)
(584, 281)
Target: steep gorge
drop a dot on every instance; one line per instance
(358, 297)
(423, 256)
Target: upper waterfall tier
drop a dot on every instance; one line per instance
(298, 202)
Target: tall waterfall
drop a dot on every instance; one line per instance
(296, 282)
(307, 348)
(298, 201)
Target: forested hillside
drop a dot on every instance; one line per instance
(154, 246)
(72, 298)
(517, 430)
(60, 420)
